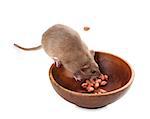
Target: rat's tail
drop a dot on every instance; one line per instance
(28, 49)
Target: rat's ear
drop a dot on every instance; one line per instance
(92, 52)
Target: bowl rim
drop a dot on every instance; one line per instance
(102, 94)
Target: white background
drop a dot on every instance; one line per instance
(117, 26)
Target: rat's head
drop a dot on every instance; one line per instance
(90, 70)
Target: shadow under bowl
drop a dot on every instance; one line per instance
(120, 78)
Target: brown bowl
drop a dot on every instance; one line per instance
(120, 78)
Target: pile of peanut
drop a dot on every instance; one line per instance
(94, 85)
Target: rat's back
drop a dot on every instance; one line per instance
(59, 41)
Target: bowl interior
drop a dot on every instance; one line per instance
(118, 71)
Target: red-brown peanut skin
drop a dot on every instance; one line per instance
(103, 83)
(96, 85)
(90, 89)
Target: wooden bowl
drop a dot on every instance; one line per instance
(120, 78)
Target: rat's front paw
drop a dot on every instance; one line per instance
(77, 78)
(57, 62)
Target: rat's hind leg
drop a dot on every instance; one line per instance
(57, 62)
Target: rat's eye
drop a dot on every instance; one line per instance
(93, 71)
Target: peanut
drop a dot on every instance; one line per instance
(98, 81)
(102, 91)
(96, 85)
(87, 81)
(102, 77)
(84, 85)
(92, 81)
(90, 89)
(91, 84)
(106, 77)
(103, 83)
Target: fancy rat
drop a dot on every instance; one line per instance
(65, 46)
